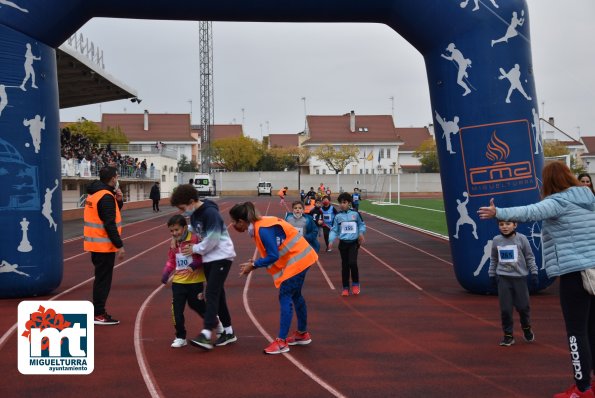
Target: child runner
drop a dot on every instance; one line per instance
(217, 253)
(511, 261)
(350, 228)
(287, 257)
(328, 215)
(188, 277)
(282, 194)
(356, 197)
(304, 223)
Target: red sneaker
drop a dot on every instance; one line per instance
(355, 289)
(299, 338)
(574, 392)
(345, 292)
(278, 346)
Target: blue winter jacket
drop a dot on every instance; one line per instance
(568, 228)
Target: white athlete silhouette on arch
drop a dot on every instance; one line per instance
(462, 64)
(464, 217)
(448, 128)
(514, 77)
(511, 32)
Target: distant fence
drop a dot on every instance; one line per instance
(375, 185)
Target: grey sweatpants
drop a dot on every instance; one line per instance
(513, 292)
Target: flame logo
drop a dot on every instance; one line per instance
(497, 150)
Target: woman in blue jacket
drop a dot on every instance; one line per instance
(568, 233)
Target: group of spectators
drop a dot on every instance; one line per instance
(80, 156)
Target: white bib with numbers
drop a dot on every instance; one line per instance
(182, 261)
(348, 227)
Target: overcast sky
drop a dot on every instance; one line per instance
(266, 69)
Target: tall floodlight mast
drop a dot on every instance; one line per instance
(205, 39)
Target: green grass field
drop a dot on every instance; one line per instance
(427, 214)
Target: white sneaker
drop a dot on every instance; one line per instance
(178, 343)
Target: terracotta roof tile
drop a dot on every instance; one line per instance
(162, 127)
(221, 131)
(283, 140)
(370, 129)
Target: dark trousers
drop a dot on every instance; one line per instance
(182, 293)
(216, 273)
(513, 292)
(155, 204)
(104, 269)
(578, 308)
(326, 231)
(349, 268)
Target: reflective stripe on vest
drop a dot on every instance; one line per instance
(295, 253)
(95, 235)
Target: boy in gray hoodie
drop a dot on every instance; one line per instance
(511, 261)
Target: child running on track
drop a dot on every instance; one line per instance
(511, 261)
(350, 228)
(304, 223)
(188, 277)
(287, 257)
(217, 253)
(282, 194)
(328, 215)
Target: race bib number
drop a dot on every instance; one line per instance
(326, 217)
(348, 227)
(182, 261)
(508, 253)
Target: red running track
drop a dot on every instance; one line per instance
(412, 332)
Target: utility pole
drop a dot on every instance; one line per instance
(207, 118)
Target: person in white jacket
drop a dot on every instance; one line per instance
(568, 230)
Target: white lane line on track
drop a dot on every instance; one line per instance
(132, 223)
(6, 335)
(124, 239)
(409, 281)
(290, 357)
(328, 280)
(410, 246)
(145, 370)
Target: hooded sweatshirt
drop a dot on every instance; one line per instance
(216, 244)
(106, 210)
(568, 229)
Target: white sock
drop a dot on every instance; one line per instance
(229, 330)
(207, 333)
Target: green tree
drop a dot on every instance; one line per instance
(236, 153)
(553, 148)
(185, 165)
(428, 156)
(91, 130)
(336, 159)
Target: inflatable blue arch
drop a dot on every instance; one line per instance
(480, 76)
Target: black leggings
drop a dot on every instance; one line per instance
(182, 293)
(578, 308)
(216, 273)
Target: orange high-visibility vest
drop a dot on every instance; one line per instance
(295, 253)
(95, 235)
(308, 207)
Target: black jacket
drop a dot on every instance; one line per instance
(155, 193)
(106, 210)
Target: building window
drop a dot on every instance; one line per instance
(361, 171)
(348, 171)
(381, 153)
(323, 171)
(317, 171)
(388, 153)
